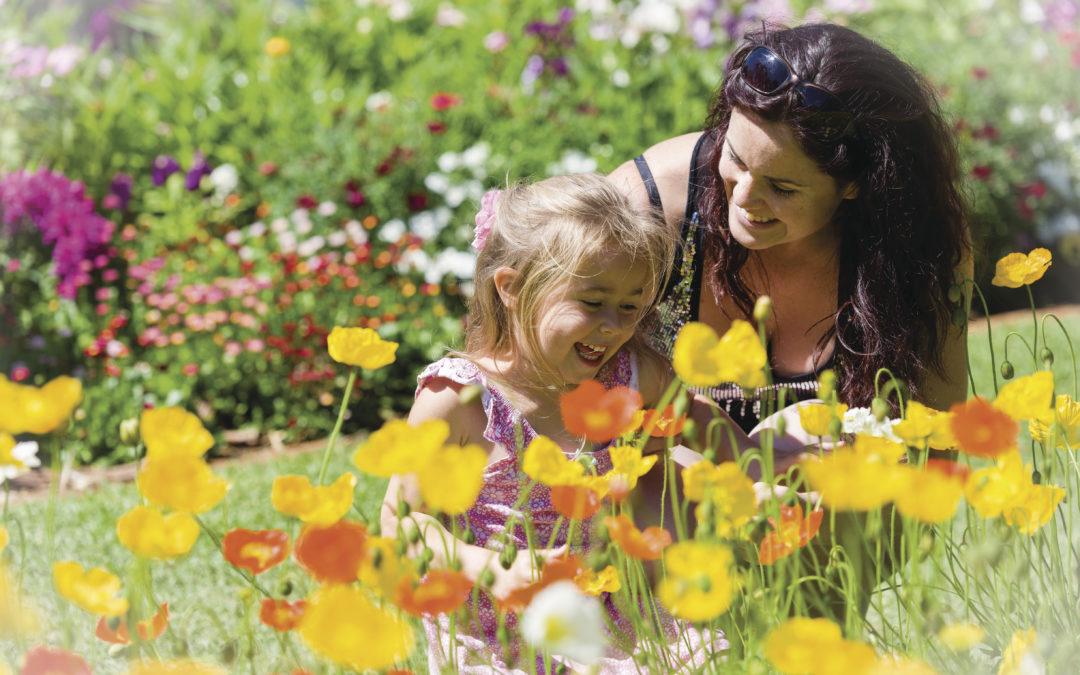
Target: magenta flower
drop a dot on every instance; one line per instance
(164, 166)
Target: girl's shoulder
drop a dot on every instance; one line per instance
(439, 395)
(456, 370)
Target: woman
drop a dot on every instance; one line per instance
(826, 179)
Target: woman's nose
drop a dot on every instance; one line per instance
(744, 191)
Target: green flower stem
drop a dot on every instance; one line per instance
(1034, 324)
(337, 425)
(989, 338)
(7, 500)
(1072, 352)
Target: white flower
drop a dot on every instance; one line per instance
(256, 229)
(224, 179)
(356, 232)
(392, 230)
(461, 264)
(437, 182)
(448, 15)
(286, 242)
(655, 16)
(448, 161)
(311, 246)
(327, 209)
(565, 622)
(862, 421)
(476, 156)
(279, 224)
(399, 10)
(337, 239)
(380, 100)
(23, 458)
(620, 78)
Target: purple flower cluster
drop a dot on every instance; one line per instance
(555, 39)
(166, 165)
(65, 216)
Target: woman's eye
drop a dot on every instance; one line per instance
(781, 191)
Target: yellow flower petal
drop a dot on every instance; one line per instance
(728, 492)
(1011, 661)
(961, 636)
(1027, 397)
(360, 347)
(181, 483)
(546, 463)
(850, 481)
(594, 583)
(452, 478)
(923, 426)
(94, 590)
(816, 418)
(1019, 269)
(1034, 509)
(336, 615)
(399, 447)
(927, 496)
(277, 46)
(995, 489)
(321, 505)
(175, 668)
(28, 409)
(173, 431)
(698, 584)
(875, 447)
(145, 532)
(702, 360)
(627, 464)
(796, 645)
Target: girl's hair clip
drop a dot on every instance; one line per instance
(485, 218)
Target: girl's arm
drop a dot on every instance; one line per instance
(441, 399)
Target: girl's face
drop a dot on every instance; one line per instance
(776, 194)
(590, 317)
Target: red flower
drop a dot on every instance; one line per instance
(663, 423)
(267, 168)
(306, 202)
(438, 592)
(148, 629)
(41, 660)
(281, 615)
(558, 570)
(599, 415)
(417, 201)
(333, 553)
(647, 544)
(575, 501)
(255, 551)
(981, 171)
(791, 533)
(436, 127)
(1036, 189)
(444, 101)
(981, 429)
(980, 73)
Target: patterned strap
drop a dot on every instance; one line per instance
(649, 181)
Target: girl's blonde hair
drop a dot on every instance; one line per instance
(548, 232)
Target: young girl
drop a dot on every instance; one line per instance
(567, 269)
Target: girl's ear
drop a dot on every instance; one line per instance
(504, 278)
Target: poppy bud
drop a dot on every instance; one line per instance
(762, 309)
(427, 555)
(955, 294)
(486, 578)
(835, 428)
(880, 408)
(455, 564)
(469, 537)
(413, 535)
(1036, 478)
(228, 652)
(959, 316)
(129, 432)
(403, 508)
(1047, 357)
(422, 567)
(506, 558)
(1007, 370)
(781, 426)
(376, 558)
(287, 586)
(680, 405)
(826, 384)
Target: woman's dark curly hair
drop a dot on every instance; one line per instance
(904, 234)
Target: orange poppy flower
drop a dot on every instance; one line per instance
(148, 629)
(983, 430)
(948, 468)
(598, 414)
(47, 660)
(575, 501)
(660, 423)
(792, 532)
(438, 592)
(255, 551)
(567, 568)
(333, 553)
(281, 614)
(647, 544)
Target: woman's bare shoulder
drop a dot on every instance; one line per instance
(669, 162)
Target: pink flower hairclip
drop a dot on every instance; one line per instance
(485, 218)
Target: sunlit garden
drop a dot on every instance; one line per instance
(253, 220)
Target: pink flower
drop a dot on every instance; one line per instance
(443, 100)
(496, 41)
(485, 218)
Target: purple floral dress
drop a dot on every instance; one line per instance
(476, 648)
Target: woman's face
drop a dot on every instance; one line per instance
(777, 196)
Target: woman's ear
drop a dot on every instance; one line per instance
(505, 278)
(851, 191)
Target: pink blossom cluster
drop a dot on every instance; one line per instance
(65, 216)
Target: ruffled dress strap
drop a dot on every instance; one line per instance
(500, 414)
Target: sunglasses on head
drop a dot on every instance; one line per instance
(767, 73)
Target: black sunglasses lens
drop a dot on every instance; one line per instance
(813, 97)
(828, 118)
(765, 71)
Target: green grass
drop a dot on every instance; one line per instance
(1018, 334)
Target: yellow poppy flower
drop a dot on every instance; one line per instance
(961, 636)
(1034, 509)
(1023, 641)
(399, 447)
(38, 410)
(702, 360)
(382, 567)
(94, 590)
(545, 462)
(877, 448)
(796, 645)
(175, 668)
(894, 664)
(452, 478)
(698, 584)
(926, 495)
(924, 426)
(4, 538)
(173, 431)
(321, 505)
(1027, 397)
(145, 532)
(628, 465)
(1020, 269)
(277, 46)
(181, 483)
(993, 489)
(17, 617)
(335, 615)
(592, 582)
(360, 347)
(850, 481)
(728, 492)
(816, 418)
(1066, 414)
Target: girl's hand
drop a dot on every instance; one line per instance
(523, 572)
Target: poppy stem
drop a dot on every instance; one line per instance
(337, 425)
